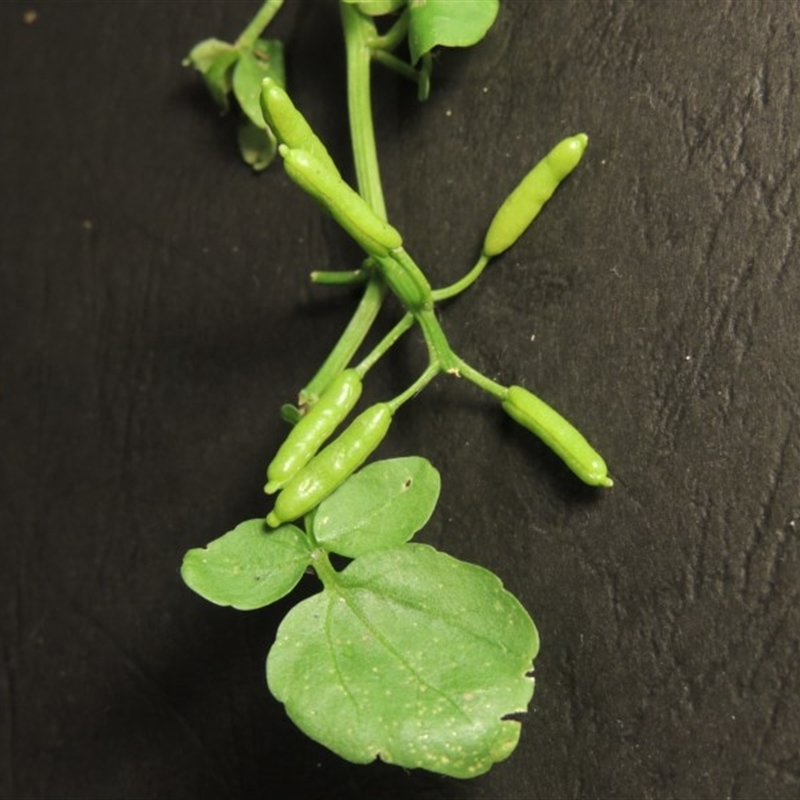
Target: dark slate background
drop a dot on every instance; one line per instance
(155, 312)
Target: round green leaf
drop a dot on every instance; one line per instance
(264, 60)
(249, 567)
(412, 657)
(381, 506)
(452, 23)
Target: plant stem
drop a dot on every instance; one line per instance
(358, 30)
(439, 349)
(323, 567)
(393, 37)
(349, 342)
(394, 334)
(419, 384)
(464, 370)
(256, 25)
(397, 64)
(359, 33)
(464, 283)
(340, 277)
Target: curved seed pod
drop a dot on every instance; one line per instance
(314, 429)
(332, 466)
(522, 206)
(346, 206)
(289, 125)
(558, 434)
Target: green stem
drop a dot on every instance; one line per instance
(393, 37)
(464, 283)
(383, 346)
(321, 564)
(339, 277)
(439, 348)
(464, 370)
(349, 342)
(397, 64)
(358, 31)
(419, 384)
(257, 25)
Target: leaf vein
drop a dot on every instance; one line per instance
(387, 644)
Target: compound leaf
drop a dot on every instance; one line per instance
(381, 506)
(411, 656)
(249, 567)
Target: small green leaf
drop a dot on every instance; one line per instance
(409, 656)
(264, 60)
(257, 146)
(205, 53)
(218, 77)
(452, 23)
(290, 413)
(249, 567)
(381, 506)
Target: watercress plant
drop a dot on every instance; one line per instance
(406, 654)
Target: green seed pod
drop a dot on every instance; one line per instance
(346, 206)
(332, 466)
(314, 429)
(406, 280)
(536, 188)
(558, 434)
(289, 125)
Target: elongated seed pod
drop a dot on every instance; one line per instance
(558, 434)
(406, 280)
(332, 466)
(522, 206)
(346, 206)
(290, 126)
(314, 429)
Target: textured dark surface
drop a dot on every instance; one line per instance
(155, 312)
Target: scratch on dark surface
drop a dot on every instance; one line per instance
(770, 726)
(759, 544)
(696, 564)
(574, 711)
(734, 300)
(684, 381)
(752, 188)
(765, 647)
(611, 580)
(697, 567)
